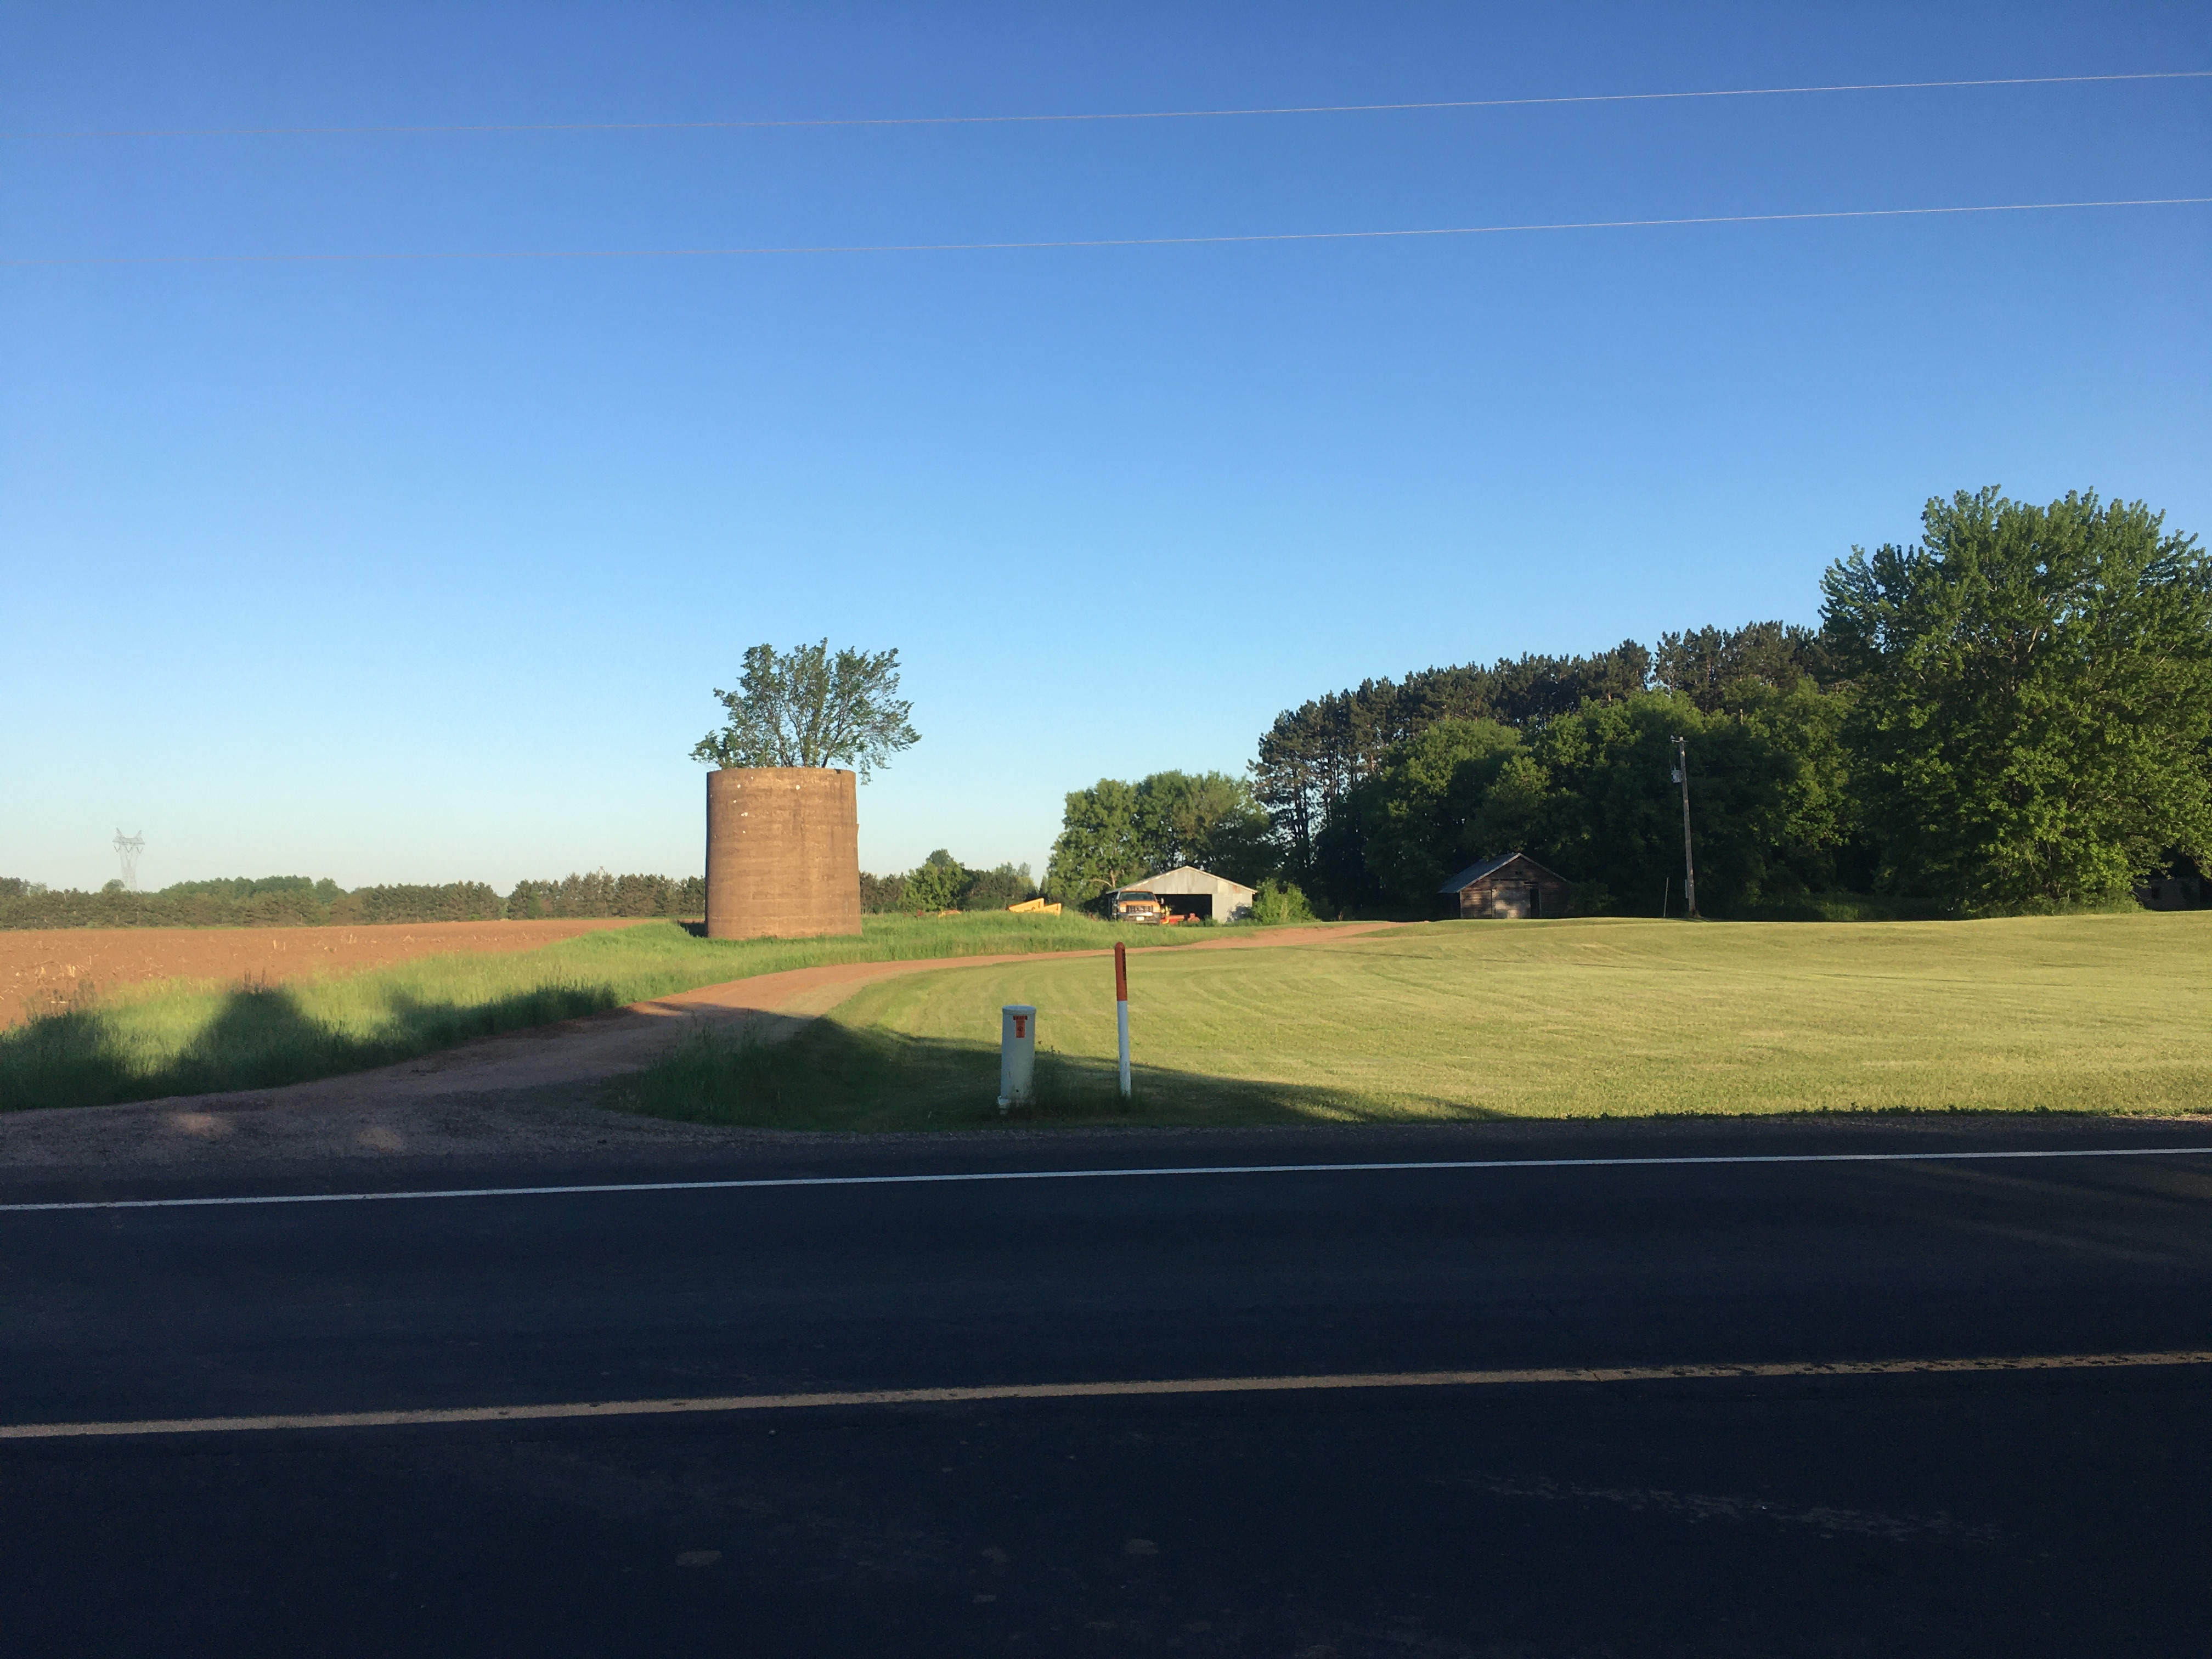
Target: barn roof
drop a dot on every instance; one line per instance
(1188, 879)
(1475, 872)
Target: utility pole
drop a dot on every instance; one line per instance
(1689, 866)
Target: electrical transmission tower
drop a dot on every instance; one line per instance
(128, 847)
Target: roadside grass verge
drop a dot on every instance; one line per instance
(1602, 1016)
(835, 1074)
(164, 1037)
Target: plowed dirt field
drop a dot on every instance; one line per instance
(42, 969)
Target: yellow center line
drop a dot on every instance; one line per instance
(759, 1403)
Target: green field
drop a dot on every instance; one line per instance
(2086, 1013)
(167, 1038)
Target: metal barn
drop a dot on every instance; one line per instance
(1185, 891)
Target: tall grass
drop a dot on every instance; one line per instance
(169, 1038)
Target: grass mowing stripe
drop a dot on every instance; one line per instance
(759, 1403)
(1482, 1020)
(770, 1181)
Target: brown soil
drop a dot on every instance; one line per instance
(42, 969)
(485, 1099)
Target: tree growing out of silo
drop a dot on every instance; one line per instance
(805, 707)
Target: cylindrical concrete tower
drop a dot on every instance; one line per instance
(783, 853)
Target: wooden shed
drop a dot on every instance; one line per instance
(1512, 884)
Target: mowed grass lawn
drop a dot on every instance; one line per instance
(2090, 1014)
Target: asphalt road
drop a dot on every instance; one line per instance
(2059, 1511)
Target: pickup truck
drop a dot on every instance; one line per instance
(1134, 904)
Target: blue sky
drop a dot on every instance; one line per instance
(421, 570)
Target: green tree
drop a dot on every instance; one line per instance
(1590, 793)
(1417, 811)
(1115, 833)
(994, 890)
(1277, 901)
(882, 893)
(936, 883)
(1717, 667)
(1313, 757)
(1516, 806)
(1100, 844)
(807, 707)
(1769, 809)
(2033, 717)
(1208, 819)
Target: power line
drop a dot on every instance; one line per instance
(1119, 115)
(1088, 241)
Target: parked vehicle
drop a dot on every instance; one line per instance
(1134, 904)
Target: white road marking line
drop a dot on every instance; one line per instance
(758, 1402)
(1105, 1174)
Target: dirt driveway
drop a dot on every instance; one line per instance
(474, 1101)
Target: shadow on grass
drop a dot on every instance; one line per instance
(182, 1039)
(260, 1037)
(838, 1077)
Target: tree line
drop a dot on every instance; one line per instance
(2016, 711)
(1114, 833)
(941, 881)
(301, 902)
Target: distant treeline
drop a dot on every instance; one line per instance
(2015, 713)
(1115, 832)
(600, 894)
(301, 902)
(1379, 793)
(941, 881)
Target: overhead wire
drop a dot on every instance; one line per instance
(1115, 115)
(763, 251)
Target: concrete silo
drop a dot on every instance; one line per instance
(783, 853)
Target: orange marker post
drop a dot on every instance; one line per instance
(1122, 1009)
